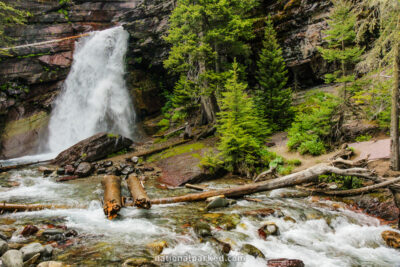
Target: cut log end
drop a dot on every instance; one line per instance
(139, 195)
(112, 196)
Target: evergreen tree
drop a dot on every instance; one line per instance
(204, 34)
(274, 98)
(242, 131)
(341, 48)
(385, 52)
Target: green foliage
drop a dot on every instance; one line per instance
(242, 131)
(273, 98)
(343, 182)
(119, 153)
(164, 124)
(340, 38)
(204, 35)
(294, 162)
(176, 151)
(9, 16)
(363, 138)
(313, 124)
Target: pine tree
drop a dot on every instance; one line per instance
(384, 53)
(204, 34)
(242, 131)
(340, 38)
(274, 98)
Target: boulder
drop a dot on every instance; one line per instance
(3, 247)
(157, 247)
(94, 148)
(69, 169)
(12, 258)
(31, 250)
(285, 263)
(84, 169)
(202, 229)
(51, 264)
(268, 228)
(29, 230)
(220, 202)
(32, 260)
(391, 238)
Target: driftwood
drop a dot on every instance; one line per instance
(11, 207)
(19, 166)
(304, 176)
(112, 196)
(195, 187)
(351, 192)
(139, 195)
(160, 149)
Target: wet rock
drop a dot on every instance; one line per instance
(219, 202)
(285, 263)
(268, 228)
(223, 221)
(3, 247)
(60, 171)
(260, 212)
(3, 236)
(252, 250)
(107, 163)
(48, 251)
(32, 260)
(202, 229)
(101, 170)
(69, 169)
(12, 258)
(71, 233)
(157, 247)
(135, 160)
(93, 148)
(46, 170)
(127, 170)
(391, 238)
(51, 264)
(31, 250)
(84, 169)
(29, 230)
(289, 219)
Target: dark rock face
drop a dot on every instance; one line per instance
(84, 169)
(93, 148)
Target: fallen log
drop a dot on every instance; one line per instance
(160, 149)
(139, 195)
(351, 192)
(195, 187)
(301, 177)
(112, 196)
(11, 207)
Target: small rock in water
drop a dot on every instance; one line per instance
(101, 170)
(51, 264)
(3, 236)
(12, 258)
(45, 170)
(252, 250)
(289, 219)
(138, 262)
(60, 171)
(48, 251)
(32, 260)
(128, 170)
(268, 228)
(53, 232)
(391, 238)
(285, 263)
(107, 163)
(31, 250)
(157, 247)
(84, 169)
(70, 233)
(260, 212)
(135, 160)
(202, 229)
(3, 247)
(29, 230)
(220, 202)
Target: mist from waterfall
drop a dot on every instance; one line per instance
(94, 97)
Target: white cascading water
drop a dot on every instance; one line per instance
(94, 98)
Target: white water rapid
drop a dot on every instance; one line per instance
(94, 98)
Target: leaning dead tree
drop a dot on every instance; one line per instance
(305, 176)
(139, 195)
(112, 196)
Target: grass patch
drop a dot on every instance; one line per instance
(179, 150)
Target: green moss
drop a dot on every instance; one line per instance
(363, 138)
(111, 135)
(122, 152)
(25, 125)
(179, 150)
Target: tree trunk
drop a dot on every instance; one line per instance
(112, 196)
(304, 176)
(139, 195)
(394, 129)
(209, 108)
(11, 207)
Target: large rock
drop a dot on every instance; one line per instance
(12, 258)
(93, 148)
(391, 238)
(84, 169)
(3, 247)
(31, 250)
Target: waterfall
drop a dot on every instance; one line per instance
(94, 97)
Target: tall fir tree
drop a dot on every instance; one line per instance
(273, 98)
(204, 34)
(341, 39)
(242, 131)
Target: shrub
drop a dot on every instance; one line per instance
(164, 124)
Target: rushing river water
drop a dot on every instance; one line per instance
(321, 235)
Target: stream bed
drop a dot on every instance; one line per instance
(320, 233)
